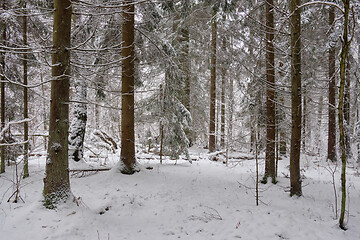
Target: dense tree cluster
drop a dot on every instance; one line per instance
(256, 76)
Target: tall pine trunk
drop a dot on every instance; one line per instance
(304, 119)
(281, 117)
(357, 127)
(127, 100)
(295, 26)
(185, 62)
(223, 104)
(56, 181)
(331, 154)
(230, 110)
(347, 124)
(343, 57)
(213, 82)
(25, 78)
(270, 94)
(2, 90)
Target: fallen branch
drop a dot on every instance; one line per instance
(90, 170)
(106, 139)
(86, 172)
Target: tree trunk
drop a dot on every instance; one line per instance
(78, 124)
(79, 121)
(343, 57)
(223, 86)
(304, 120)
(230, 113)
(2, 86)
(270, 94)
(317, 136)
(230, 108)
(331, 155)
(252, 132)
(161, 125)
(282, 133)
(25, 77)
(186, 64)
(127, 100)
(213, 82)
(347, 124)
(295, 25)
(45, 107)
(281, 117)
(357, 127)
(56, 182)
(186, 72)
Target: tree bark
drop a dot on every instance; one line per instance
(347, 124)
(343, 57)
(161, 124)
(223, 104)
(283, 147)
(295, 26)
(357, 127)
(56, 182)
(281, 117)
(317, 135)
(213, 82)
(331, 154)
(304, 119)
(45, 107)
(270, 94)
(127, 100)
(2, 87)
(25, 78)
(186, 65)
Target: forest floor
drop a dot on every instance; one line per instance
(202, 200)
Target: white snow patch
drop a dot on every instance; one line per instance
(203, 200)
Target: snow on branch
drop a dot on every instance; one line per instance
(83, 43)
(7, 126)
(23, 85)
(13, 144)
(322, 2)
(85, 3)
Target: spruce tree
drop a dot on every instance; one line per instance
(295, 26)
(127, 99)
(56, 181)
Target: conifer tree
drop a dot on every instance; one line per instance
(25, 78)
(56, 181)
(2, 89)
(212, 143)
(331, 154)
(127, 100)
(295, 26)
(343, 57)
(270, 93)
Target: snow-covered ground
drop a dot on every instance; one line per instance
(202, 200)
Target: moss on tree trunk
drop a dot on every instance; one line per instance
(343, 57)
